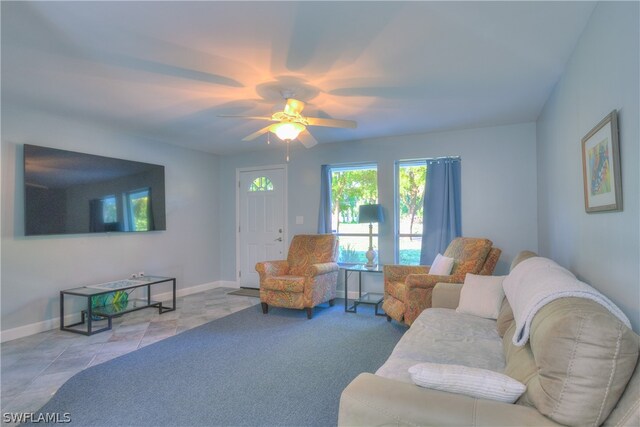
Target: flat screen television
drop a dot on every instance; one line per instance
(66, 192)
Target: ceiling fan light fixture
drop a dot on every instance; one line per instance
(288, 130)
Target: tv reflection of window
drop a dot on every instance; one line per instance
(109, 209)
(103, 215)
(139, 213)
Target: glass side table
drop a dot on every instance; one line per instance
(371, 298)
(112, 310)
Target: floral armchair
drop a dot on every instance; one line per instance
(408, 288)
(307, 277)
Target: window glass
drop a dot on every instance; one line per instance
(409, 215)
(261, 184)
(409, 250)
(350, 188)
(109, 210)
(139, 210)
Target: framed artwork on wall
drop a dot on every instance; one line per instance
(601, 166)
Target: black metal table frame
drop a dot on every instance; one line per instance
(88, 317)
(354, 307)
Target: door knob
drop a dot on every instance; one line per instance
(279, 239)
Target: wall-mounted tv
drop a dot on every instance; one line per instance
(71, 193)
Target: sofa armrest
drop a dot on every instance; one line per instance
(321, 268)
(272, 268)
(398, 273)
(446, 295)
(371, 400)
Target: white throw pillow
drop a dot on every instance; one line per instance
(474, 382)
(481, 296)
(441, 265)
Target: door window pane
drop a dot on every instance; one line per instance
(261, 184)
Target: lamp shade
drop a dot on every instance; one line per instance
(370, 213)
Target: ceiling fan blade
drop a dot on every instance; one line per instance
(293, 107)
(332, 123)
(307, 139)
(257, 134)
(248, 117)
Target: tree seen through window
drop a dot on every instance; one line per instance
(350, 188)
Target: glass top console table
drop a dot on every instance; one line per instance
(110, 311)
(371, 298)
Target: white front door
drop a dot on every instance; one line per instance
(261, 220)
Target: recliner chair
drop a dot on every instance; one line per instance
(308, 277)
(408, 288)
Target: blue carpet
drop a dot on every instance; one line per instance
(243, 369)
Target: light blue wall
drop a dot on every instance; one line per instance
(498, 184)
(35, 269)
(601, 248)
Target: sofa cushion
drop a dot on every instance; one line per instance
(481, 296)
(441, 335)
(577, 362)
(520, 364)
(505, 317)
(627, 410)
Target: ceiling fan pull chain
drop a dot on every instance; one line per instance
(268, 138)
(288, 141)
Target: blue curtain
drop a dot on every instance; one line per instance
(442, 219)
(324, 215)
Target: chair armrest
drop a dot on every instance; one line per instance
(398, 273)
(446, 295)
(426, 281)
(321, 268)
(272, 268)
(371, 400)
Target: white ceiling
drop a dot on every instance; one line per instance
(166, 70)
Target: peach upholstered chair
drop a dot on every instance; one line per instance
(408, 288)
(307, 277)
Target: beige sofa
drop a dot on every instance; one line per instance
(580, 368)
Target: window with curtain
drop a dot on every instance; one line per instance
(410, 184)
(352, 186)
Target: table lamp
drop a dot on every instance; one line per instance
(370, 214)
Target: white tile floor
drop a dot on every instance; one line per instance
(34, 367)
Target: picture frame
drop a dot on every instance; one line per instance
(601, 166)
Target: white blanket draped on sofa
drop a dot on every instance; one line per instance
(537, 281)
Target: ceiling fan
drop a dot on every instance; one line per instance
(293, 125)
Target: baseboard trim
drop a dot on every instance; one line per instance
(54, 323)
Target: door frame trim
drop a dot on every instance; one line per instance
(285, 199)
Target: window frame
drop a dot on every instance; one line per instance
(343, 167)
